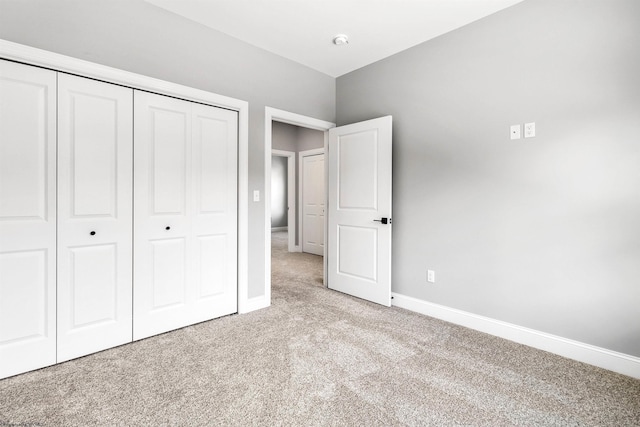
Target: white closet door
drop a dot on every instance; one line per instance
(162, 208)
(214, 221)
(95, 179)
(313, 197)
(185, 214)
(27, 218)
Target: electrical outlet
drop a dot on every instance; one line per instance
(515, 131)
(529, 130)
(431, 276)
(256, 195)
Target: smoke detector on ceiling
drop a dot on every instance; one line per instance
(340, 39)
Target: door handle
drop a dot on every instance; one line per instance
(384, 220)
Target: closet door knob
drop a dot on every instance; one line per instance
(93, 233)
(167, 228)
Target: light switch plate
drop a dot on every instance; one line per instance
(515, 131)
(256, 195)
(529, 130)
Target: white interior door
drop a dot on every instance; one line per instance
(359, 222)
(214, 220)
(313, 203)
(27, 218)
(185, 222)
(162, 192)
(95, 179)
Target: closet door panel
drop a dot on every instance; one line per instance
(95, 215)
(27, 218)
(162, 238)
(169, 273)
(215, 212)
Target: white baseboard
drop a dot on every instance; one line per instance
(255, 303)
(597, 356)
(285, 228)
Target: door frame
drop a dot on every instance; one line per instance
(291, 194)
(57, 62)
(271, 115)
(301, 156)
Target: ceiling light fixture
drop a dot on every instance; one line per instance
(340, 39)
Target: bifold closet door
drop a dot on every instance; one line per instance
(214, 219)
(185, 198)
(27, 218)
(95, 185)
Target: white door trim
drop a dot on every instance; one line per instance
(43, 58)
(271, 115)
(291, 194)
(301, 156)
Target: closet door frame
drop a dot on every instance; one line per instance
(38, 57)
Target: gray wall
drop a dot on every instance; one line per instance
(284, 137)
(136, 36)
(296, 139)
(544, 232)
(279, 193)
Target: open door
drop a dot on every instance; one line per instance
(359, 215)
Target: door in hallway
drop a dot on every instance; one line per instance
(313, 204)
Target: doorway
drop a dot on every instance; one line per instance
(275, 118)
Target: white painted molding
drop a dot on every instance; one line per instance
(285, 228)
(271, 115)
(258, 303)
(597, 356)
(325, 262)
(58, 62)
(298, 119)
(42, 58)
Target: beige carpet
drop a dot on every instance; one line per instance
(317, 357)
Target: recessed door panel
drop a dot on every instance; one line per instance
(27, 218)
(211, 268)
(94, 285)
(169, 144)
(169, 271)
(210, 163)
(357, 247)
(357, 167)
(23, 297)
(25, 145)
(94, 149)
(95, 179)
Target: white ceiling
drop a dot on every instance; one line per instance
(303, 30)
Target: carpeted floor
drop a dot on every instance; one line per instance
(317, 357)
